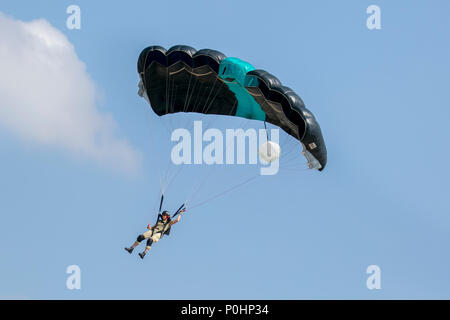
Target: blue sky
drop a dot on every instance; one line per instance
(381, 98)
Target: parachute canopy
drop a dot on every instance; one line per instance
(183, 79)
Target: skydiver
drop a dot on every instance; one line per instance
(155, 233)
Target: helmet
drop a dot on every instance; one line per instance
(165, 213)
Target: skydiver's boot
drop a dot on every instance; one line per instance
(142, 254)
(130, 249)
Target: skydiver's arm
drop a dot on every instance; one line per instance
(176, 220)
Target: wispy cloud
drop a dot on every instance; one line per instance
(47, 97)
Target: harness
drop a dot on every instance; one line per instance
(160, 220)
(164, 225)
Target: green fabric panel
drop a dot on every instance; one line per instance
(250, 81)
(233, 71)
(247, 106)
(234, 68)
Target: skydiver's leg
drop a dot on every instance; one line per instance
(136, 243)
(147, 248)
(149, 244)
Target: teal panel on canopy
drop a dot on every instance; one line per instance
(233, 71)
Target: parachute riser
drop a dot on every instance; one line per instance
(269, 152)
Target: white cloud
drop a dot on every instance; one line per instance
(47, 97)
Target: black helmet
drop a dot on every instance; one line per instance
(165, 213)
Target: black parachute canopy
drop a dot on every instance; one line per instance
(183, 79)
